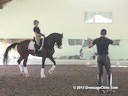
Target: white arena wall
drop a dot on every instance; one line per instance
(90, 63)
(118, 55)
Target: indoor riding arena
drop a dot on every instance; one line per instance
(63, 48)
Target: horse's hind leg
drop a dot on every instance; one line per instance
(25, 67)
(20, 66)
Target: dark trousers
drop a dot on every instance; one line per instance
(104, 61)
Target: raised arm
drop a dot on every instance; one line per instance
(116, 42)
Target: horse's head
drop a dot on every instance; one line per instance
(58, 40)
(54, 39)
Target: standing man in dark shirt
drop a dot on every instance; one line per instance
(102, 43)
(37, 33)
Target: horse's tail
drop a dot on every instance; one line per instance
(5, 57)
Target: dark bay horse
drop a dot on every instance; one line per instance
(46, 52)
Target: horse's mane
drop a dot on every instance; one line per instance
(52, 35)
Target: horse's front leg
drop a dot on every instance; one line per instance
(53, 67)
(42, 69)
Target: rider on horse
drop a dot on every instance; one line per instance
(38, 34)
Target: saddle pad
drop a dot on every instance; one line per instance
(31, 45)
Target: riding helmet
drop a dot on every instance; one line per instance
(35, 22)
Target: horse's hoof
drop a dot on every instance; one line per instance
(21, 73)
(27, 75)
(43, 76)
(50, 71)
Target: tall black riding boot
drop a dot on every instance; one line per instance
(36, 50)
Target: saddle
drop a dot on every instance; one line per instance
(33, 45)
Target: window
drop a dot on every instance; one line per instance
(98, 17)
(75, 41)
(85, 43)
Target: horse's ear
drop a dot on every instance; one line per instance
(62, 35)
